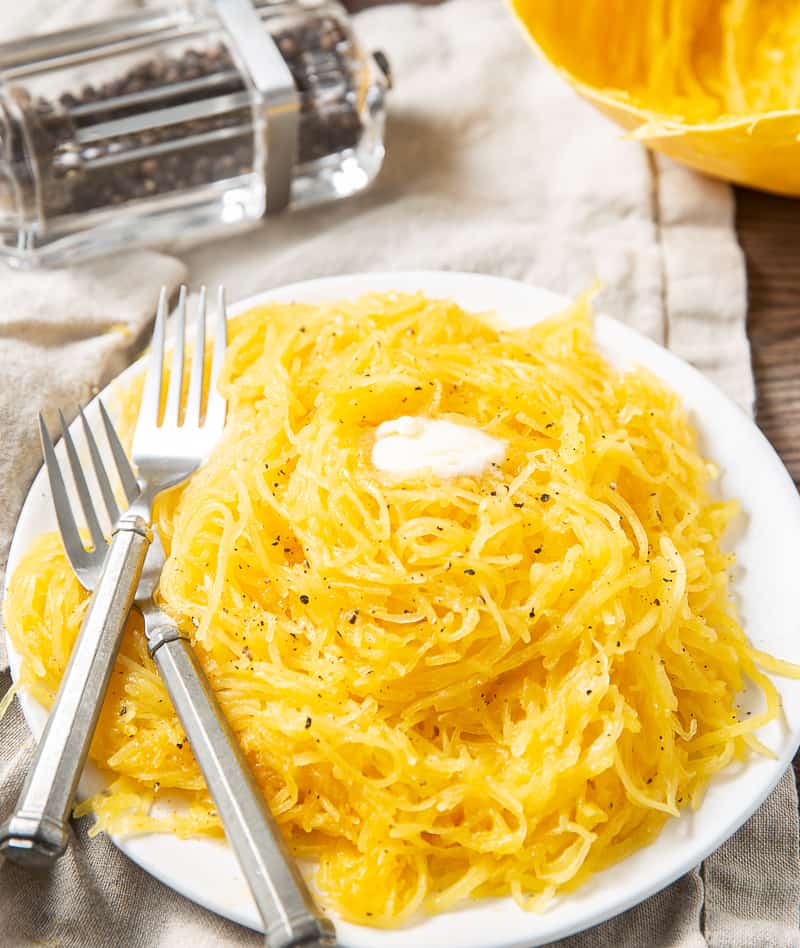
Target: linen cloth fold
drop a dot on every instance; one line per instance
(493, 165)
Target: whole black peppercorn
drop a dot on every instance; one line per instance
(179, 155)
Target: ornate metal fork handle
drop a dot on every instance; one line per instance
(165, 451)
(38, 831)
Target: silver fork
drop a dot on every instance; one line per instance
(165, 453)
(37, 832)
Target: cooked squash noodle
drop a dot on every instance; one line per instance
(714, 84)
(447, 688)
(694, 60)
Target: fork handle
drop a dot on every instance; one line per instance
(284, 902)
(37, 832)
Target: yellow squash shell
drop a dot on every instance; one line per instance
(712, 83)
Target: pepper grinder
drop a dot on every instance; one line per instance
(176, 125)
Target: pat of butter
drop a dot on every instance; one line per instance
(409, 445)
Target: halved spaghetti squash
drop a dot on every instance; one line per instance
(712, 83)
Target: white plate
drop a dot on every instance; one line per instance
(768, 551)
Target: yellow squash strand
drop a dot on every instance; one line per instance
(446, 689)
(712, 83)
(698, 60)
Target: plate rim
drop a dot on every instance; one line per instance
(365, 282)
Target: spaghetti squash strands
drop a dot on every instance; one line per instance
(447, 688)
(712, 83)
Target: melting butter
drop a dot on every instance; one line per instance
(416, 445)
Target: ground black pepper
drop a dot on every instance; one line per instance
(78, 173)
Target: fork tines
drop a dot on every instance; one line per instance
(151, 396)
(185, 440)
(80, 557)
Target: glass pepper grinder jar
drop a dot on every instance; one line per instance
(176, 125)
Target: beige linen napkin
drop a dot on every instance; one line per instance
(494, 166)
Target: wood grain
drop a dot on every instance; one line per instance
(769, 232)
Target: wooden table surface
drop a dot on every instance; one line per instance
(769, 232)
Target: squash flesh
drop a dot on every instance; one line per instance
(713, 83)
